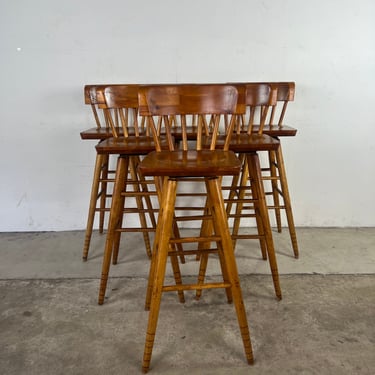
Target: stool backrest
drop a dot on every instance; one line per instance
(168, 101)
(285, 94)
(106, 117)
(260, 97)
(121, 108)
(93, 97)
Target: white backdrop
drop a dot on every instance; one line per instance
(50, 49)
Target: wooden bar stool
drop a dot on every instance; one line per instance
(275, 171)
(174, 167)
(248, 139)
(103, 175)
(245, 196)
(102, 172)
(121, 110)
(121, 107)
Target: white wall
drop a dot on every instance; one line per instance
(50, 49)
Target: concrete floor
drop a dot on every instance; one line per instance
(50, 322)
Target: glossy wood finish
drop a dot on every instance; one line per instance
(121, 110)
(103, 175)
(272, 125)
(260, 100)
(275, 172)
(97, 133)
(190, 163)
(246, 193)
(285, 94)
(94, 96)
(173, 168)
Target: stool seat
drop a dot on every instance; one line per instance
(131, 145)
(176, 166)
(190, 163)
(244, 142)
(273, 171)
(104, 133)
(251, 143)
(277, 131)
(96, 133)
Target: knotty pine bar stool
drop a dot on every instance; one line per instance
(260, 98)
(245, 196)
(275, 171)
(94, 97)
(120, 100)
(98, 197)
(173, 167)
(273, 167)
(121, 108)
(103, 175)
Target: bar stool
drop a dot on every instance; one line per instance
(172, 168)
(275, 171)
(249, 139)
(121, 108)
(108, 124)
(102, 172)
(245, 192)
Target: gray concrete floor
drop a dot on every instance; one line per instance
(50, 322)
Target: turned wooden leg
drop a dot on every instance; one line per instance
(116, 212)
(287, 203)
(92, 207)
(275, 189)
(260, 205)
(176, 272)
(233, 191)
(159, 260)
(144, 188)
(161, 185)
(221, 228)
(244, 181)
(207, 229)
(138, 199)
(103, 192)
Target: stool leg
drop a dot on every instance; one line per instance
(116, 212)
(207, 230)
(103, 193)
(117, 235)
(148, 201)
(239, 206)
(261, 207)
(142, 217)
(287, 203)
(176, 272)
(234, 185)
(240, 196)
(138, 198)
(92, 207)
(176, 233)
(221, 228)
(147, 198)
(161, 185)
(159, 260)
(275, 192)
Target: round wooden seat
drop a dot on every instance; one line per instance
(190, 163)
